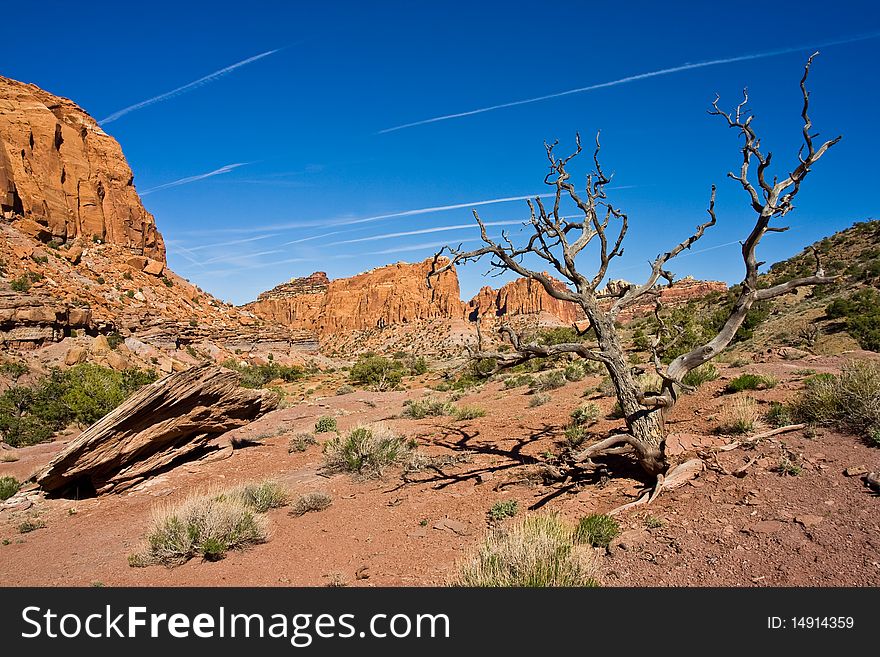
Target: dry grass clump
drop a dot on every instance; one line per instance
(314, 501)
(301, 442)
(740, 416)
(850, 400)
(468, 412)
(260, 496)
(539, 399)
(366, 450)
(202, 525)
(538, 551)
(417, 409)
(548, 381)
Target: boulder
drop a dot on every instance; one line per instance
(75, 355)
(165, 423)
(154, 267)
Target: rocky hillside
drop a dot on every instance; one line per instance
(62, 177)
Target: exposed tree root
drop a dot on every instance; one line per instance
(678, 476)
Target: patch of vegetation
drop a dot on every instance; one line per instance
(114, 340)
(21, 284)
(261, 496)
(850, 400)
(518, 381)
(538, 551)
(740, 416)
(574, 372)
(575, 435)
(366, 450)
(8, 487)
(31, 524)
(84, 394)
(301, 442)
(257, 376)
(539, 399)
(315, 501)
(325, 424)
(417, 409)
(345, 389)
(468, 412)
(861, 310)
(502, 510)
(700, 375)
(653, 522)
(597, 530)
(563, 335)
(779, 415)
(204, 525)
(750, 381)
(13, 369)
(586, 413)
(377, 373)
(788, 467)
(548, 381)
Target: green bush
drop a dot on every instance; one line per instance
(575, 435)
(750, 382)
(861, 310)
(502, 510)
(417, 409)
(8, 487)
(700, 375)
(850, 400)
(377, 373)
(538, 551)
(261, 496)
(84, 394)
(325, 423)
(21, 284)
(779, 415)
(365, 450)
(257, 376)
(586, 413)
(574, 372)
(13, 369)
(548, 381)
(539, 399)
(519, 380)
(468, 412)
(301, 442)
(597, 530)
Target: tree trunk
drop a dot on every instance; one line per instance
(646, 426)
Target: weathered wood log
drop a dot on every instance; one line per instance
(161, 425)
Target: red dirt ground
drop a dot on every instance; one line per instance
(820, 527)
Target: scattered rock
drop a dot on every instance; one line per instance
(855, 471)
(454, 526)
(766, 527)
(809, 520)
(75, 355)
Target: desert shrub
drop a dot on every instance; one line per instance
(786, 466)
(519, 380)
(13, 369)
(417, 366)
(564, 334)
(850, 400)
(468, 412)
(502, 510)
(574, 372)
(548, 381)
(586, 413)
(84, 394)
(740, 416)
(257, 376)
(365, 450)
(261, 496)
(301, 442)
(114, 340)
(750, 381)
(653, 522)
(575, 435)
(325, 423)
(597, 530)
(700, 375)
(419, 408)
(21, 284)
(538, 551)
(30, 524)
(779, 415)
(203, 525)
(315, 501)
(861, 310)
(377, 373)
(539, 399)
(8, 487)
(344, 390)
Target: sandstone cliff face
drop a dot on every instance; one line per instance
(67, 177)
(678, 294)
(522, 296)
(395, 294)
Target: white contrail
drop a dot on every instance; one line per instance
(185, 88)
(436, 229)
(202, 247)
(633, 78)
(185, 181)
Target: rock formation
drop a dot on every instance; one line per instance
(65, 176)
(521, 296)
(27, 320)
(678, 294)
(161, 425)
(395, 294)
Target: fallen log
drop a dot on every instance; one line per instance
(167, 422)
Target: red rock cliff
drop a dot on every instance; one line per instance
(522, 296)
(66, 176)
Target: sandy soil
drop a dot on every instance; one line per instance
(820, 527)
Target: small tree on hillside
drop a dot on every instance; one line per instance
(559, 240)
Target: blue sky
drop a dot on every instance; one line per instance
(295, 144)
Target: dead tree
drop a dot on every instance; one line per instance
(558, 240)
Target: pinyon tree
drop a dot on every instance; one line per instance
(559, 240)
